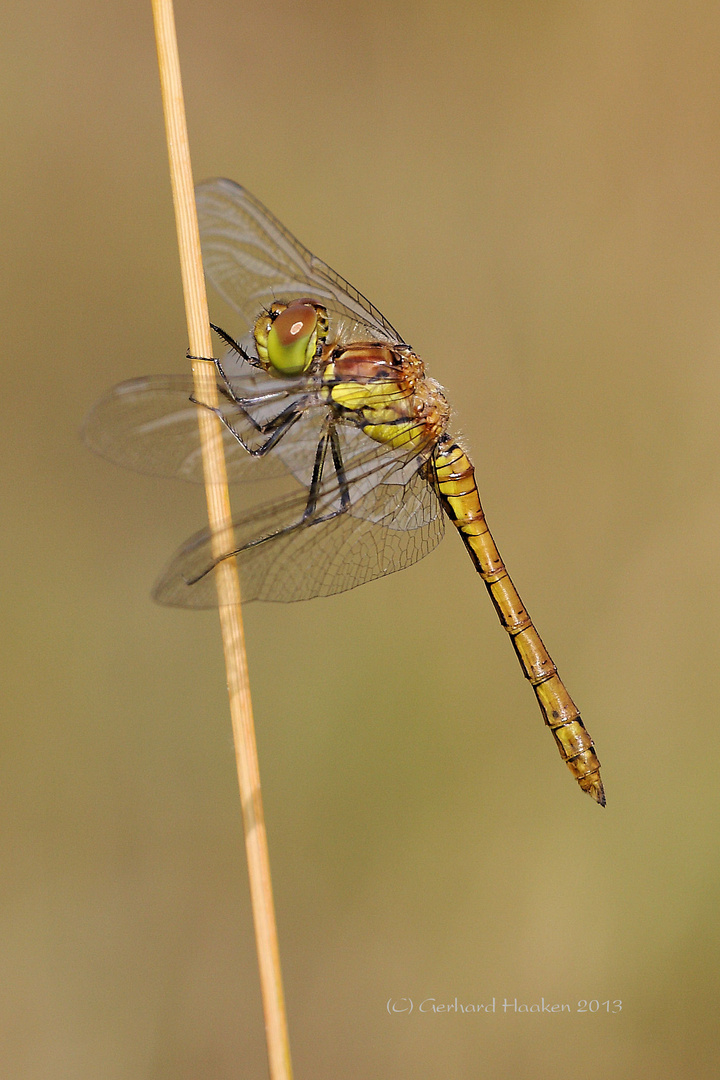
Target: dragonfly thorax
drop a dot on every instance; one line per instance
(384, 390)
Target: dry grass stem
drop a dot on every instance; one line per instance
(219, 515)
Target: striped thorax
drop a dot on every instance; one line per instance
(384, 390)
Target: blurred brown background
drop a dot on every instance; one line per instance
(531, 192)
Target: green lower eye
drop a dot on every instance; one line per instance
(292, 339)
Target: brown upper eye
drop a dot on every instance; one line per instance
(295, 322)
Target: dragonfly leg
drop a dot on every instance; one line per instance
(339, 468)
(214, 360)
(331, 436)
(247, 403)
(308, 517)
(236, 346)
(319, 465)
(226, 388)
(277, 427)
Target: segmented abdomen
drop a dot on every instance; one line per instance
(455, 479)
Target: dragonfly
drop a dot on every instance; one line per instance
(328, 413)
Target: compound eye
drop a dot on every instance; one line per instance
(292, 339)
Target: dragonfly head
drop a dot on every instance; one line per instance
(290, 336)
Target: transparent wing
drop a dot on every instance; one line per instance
(393, 522)
(151, 425)
(252, 260)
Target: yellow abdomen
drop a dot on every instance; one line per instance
(456, 487)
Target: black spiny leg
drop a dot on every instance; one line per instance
(331, 437)
(339, 469)
(236, 346)
(277, 427)
(308, 519)
(254, 362)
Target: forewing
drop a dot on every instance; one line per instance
(391, 527)
(252, 260)
(150, 424)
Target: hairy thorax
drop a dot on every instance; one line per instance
(384, 390)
